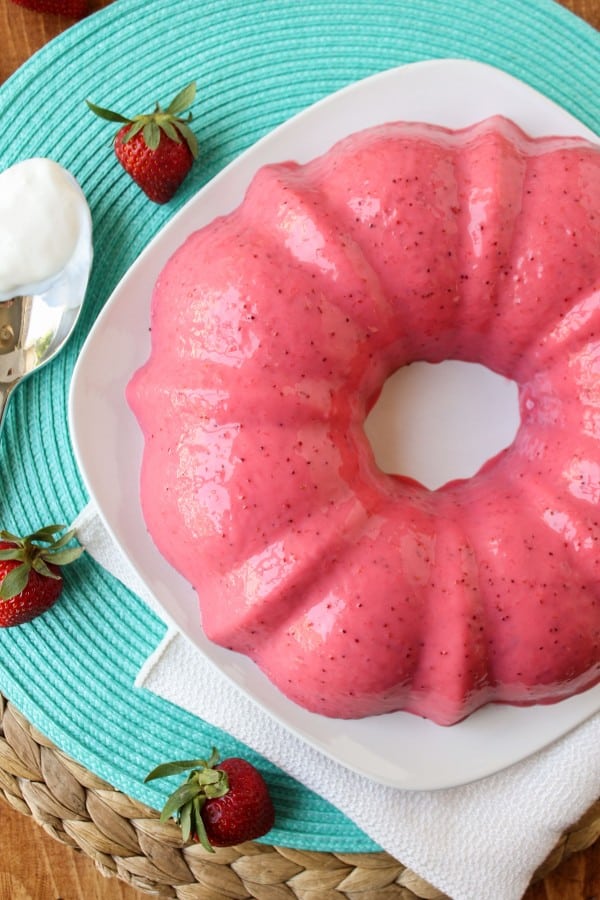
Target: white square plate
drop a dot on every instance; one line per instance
(397, 749)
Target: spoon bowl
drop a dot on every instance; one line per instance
(38, 316)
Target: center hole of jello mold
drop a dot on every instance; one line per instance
(438, 422)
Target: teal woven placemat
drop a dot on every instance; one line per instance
(257, 62)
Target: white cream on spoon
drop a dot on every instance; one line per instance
(43, 214)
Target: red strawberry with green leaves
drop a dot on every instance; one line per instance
(156, 149)
(219, 804)
(72, 9)
(30, 578)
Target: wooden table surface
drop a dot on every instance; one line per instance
(33, 866)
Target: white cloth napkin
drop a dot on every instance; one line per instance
(482, 841)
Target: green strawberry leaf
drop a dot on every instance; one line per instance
(107, 114)
(182, 100)
(136, 126)
(175, 768)
(17, 553)
(39, 565)
(198, 824)
(190, 138)
(14, 582)
(182, 795)
(64, 539)
(185, 820)
(46, 535)
(151, 133)
(65, 556)
(171, 132)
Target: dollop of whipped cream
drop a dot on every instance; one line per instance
(42, 213)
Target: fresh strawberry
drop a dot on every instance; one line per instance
(156, 149)
(73, 9)
(219, 804)
(30, 579)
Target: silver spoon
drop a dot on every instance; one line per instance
(32, 332)
(36, 323)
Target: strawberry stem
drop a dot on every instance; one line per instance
(185, 804)
(31, 554)
(159, 120)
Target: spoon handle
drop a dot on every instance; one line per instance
(14, 316)
(5, 392)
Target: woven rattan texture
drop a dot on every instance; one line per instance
(126, 839)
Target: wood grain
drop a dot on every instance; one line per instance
(23, 31)
(33, 866)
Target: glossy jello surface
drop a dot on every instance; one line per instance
(273, 331)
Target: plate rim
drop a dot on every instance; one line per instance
(167, 239)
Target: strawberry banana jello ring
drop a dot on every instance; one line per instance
(356, 591)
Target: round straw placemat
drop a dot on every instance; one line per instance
(126, 839)
(257, 62)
